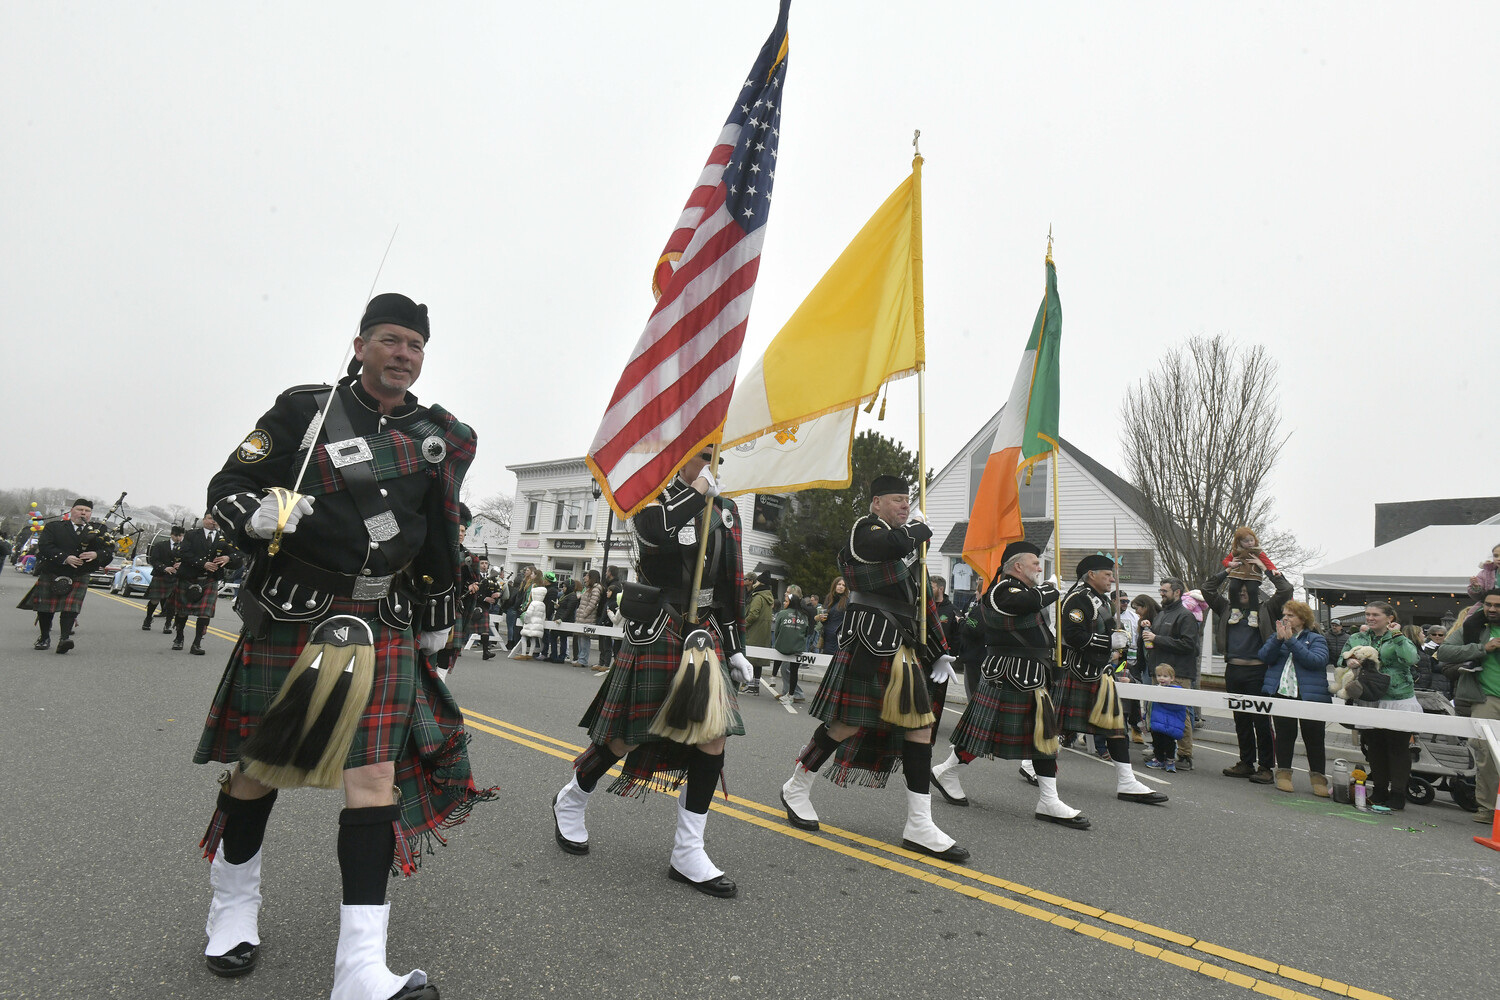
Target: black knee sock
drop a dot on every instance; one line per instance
(702, 776)
(44, 623)
(1045, 767)
(67, 619)
(201, 628)
(1119, 749)
(181, 624)
(150, 610)
(818, 749)
(916, 761)
(592, 763)
(367, 844)
(244, 825)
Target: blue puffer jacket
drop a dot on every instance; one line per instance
(1168, 719)
(1309, 651)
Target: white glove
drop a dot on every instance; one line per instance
(917, 516)
(432, 642)
(1053, 583)
(1117, 640)
(942, 670)
(713, 487)
(262, 523)
(741, 671)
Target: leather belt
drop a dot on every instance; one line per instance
(287, 569)
(879, 603)
(1045, 653)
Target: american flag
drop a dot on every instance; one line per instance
(673, 395)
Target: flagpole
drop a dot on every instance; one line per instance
(1056, 509)
(708, 513)
(919, 325)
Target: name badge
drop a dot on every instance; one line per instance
(688, 534)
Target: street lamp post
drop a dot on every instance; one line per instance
(609, 527)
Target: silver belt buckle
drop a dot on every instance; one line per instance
(350, 451)
(705, 597)
(382, 527)
(371, 588)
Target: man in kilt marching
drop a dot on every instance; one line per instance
(165, 554)
(369, 544)
(66, 553)
(468, 586)
(1011, 715)
(204, 558)
(877, 698)
(633, 714)
(1086, 697)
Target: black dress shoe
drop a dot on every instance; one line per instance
(237, 962)
(795, 820)
(176, 643)
(426, 991)
(1079, 822)
(167, 628)
(45, 642)
(63, 645)
(489, 654)
(196, 650)
(722, 887)
(571, 846)
(1145, 798)
(952, 800)
(147, 626)
(954, 853)
(1030, 778)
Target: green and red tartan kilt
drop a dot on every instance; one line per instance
(853, 697)
(627, 702)
(411, 719)
(41, 597)
(163, 589)
(204, 606)
(1000, 721)
(1075, 703)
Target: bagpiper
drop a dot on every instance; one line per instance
(350, 594)
(164, 556)
(67, 551)
(1011, 715)
(1087, 700)
(204, 559)
(879, 689)
(668, 703)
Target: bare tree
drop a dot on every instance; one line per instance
(497, 509)
(1202, 434)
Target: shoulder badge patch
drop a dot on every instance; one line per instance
(728, 518)
(256, 446)
(434, 449)
(1075, 615)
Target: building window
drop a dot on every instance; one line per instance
(531, 506)
(557, 515)
(573, 506)
(1034, 502)
(588, 516)
(976, 472)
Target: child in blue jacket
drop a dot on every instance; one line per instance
(1168, 723)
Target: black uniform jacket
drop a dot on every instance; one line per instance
(60, 539)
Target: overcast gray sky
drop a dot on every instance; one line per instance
(197, 196)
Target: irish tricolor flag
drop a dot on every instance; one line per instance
(1027, 434)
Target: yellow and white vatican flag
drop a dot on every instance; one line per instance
(791, 422)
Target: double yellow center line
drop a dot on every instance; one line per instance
(142, 604)
(1126, 933)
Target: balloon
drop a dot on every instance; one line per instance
(33, 505)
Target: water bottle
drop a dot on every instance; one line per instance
(1360, 802)
(1146, 626)
(1342, 775)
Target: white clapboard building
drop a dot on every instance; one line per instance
(1096, 507)
(559, 524)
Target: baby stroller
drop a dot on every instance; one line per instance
(1440, 763)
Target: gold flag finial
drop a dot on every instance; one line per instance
(1049, 242)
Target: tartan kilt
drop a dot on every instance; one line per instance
(1000, 721)
(163, 588)
(871, 756)
(1075, 703)
(853, 697)
(40, 597)
(411, 719)
(627, 703)
(204, 606)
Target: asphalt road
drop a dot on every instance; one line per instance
(1230, 888)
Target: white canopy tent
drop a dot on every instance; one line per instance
(1438, 559)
